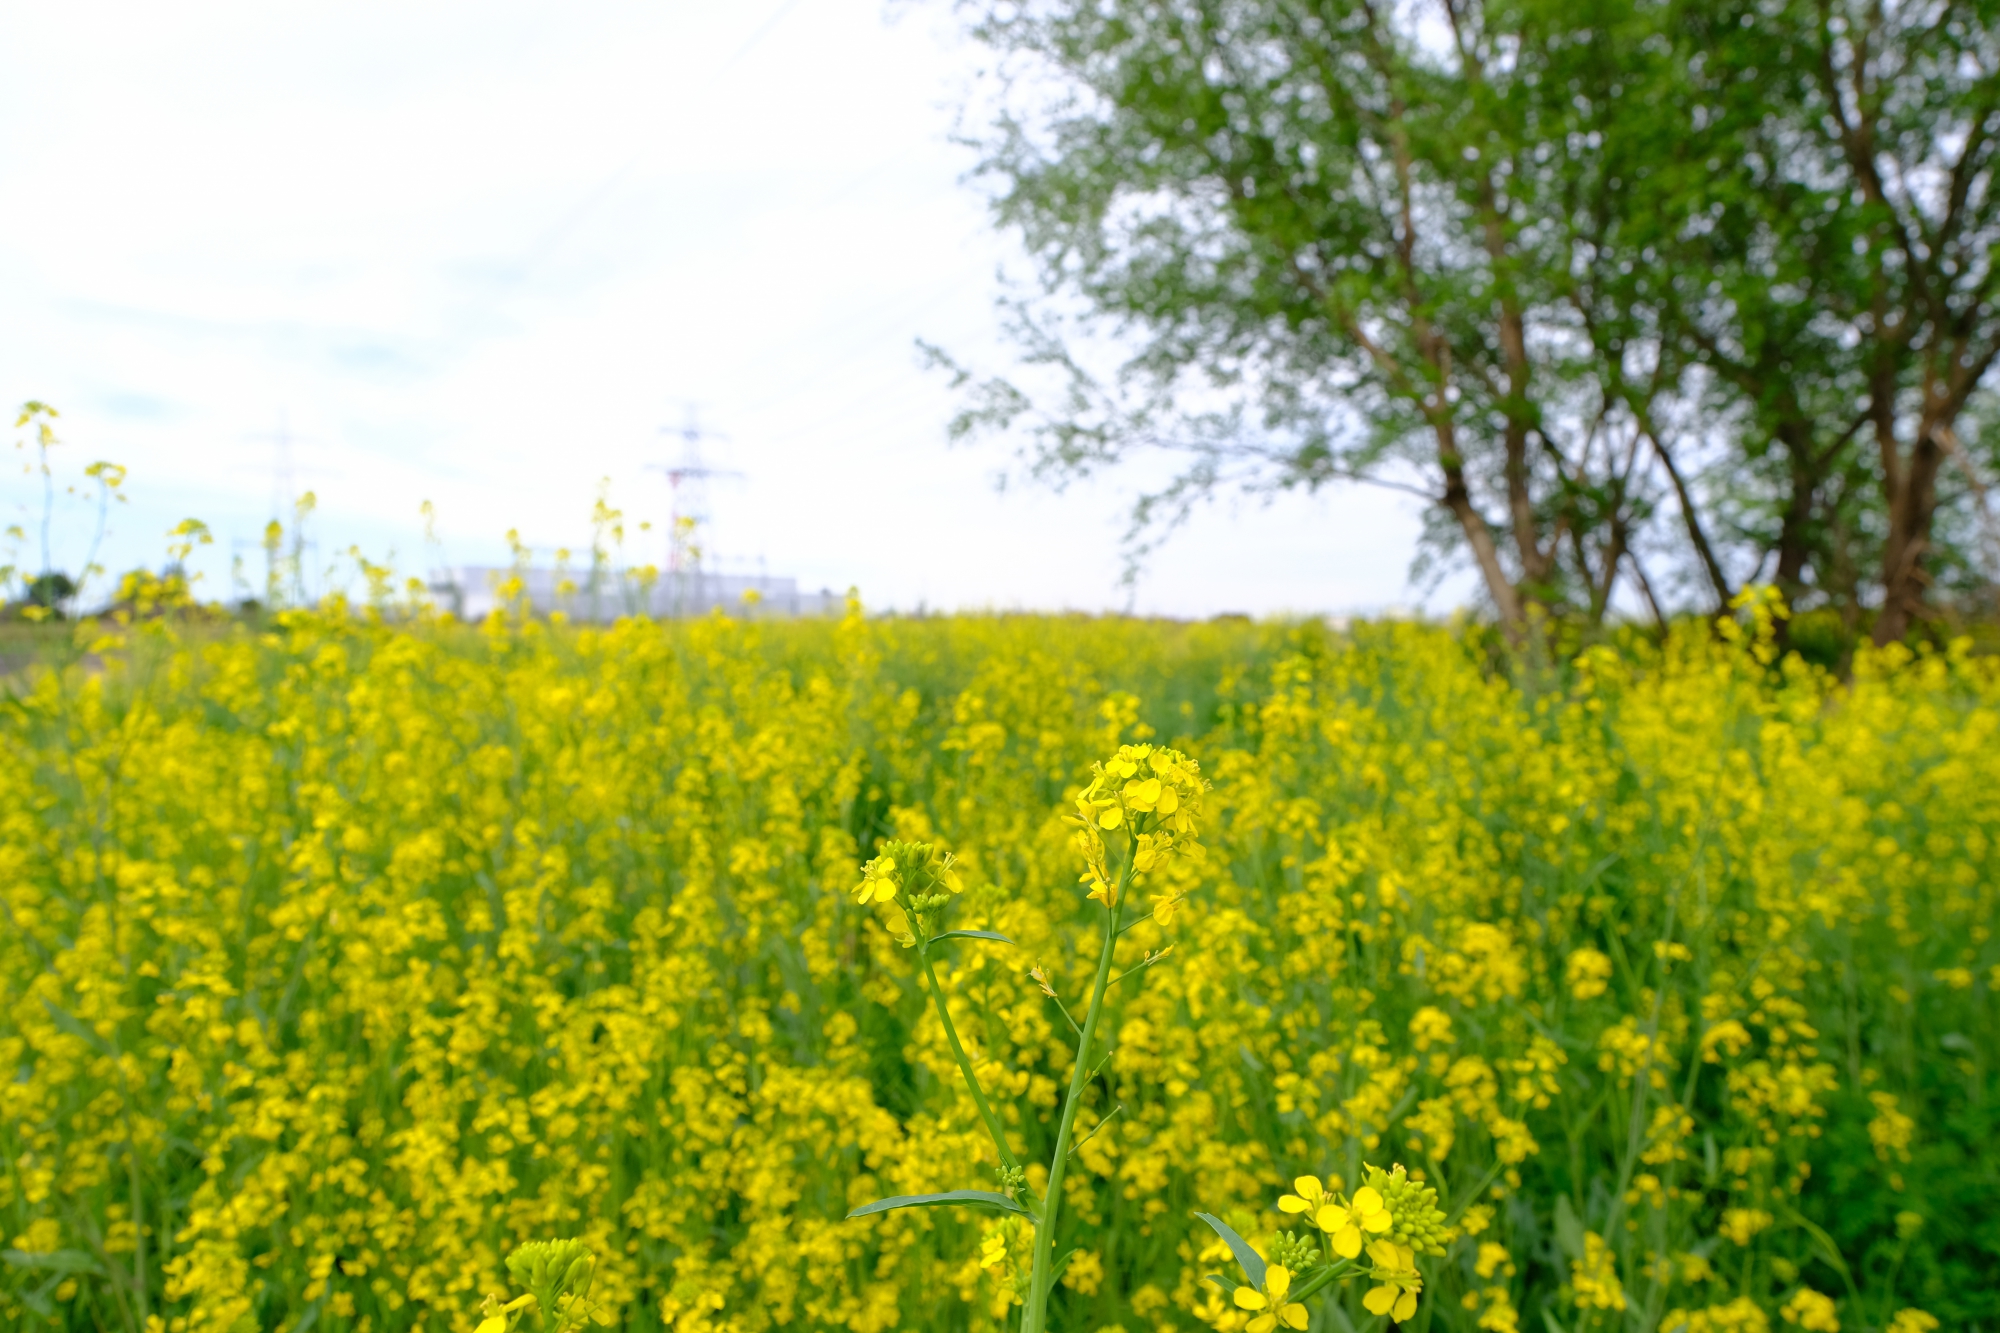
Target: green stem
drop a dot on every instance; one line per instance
(965, 1065)
(1034, 1316)
(1322, 1278)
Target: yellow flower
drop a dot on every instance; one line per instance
(1307, 1196)
(1395, 1273)
(1271, 1303)
(1588, 973)
(878, 881)
(1594, 1277)
(992, 1250)
(1811, 1311)
(1101, 888)
(1119, 797)
(1912, 1321)
(1142, 795)
(1363, 1213)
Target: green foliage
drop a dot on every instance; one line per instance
(1700, 286)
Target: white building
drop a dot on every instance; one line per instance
(471, 592)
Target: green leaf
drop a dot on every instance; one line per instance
(76, 1027)
(976, 1198)
(1226, 1283)
(61, 1261)
(1251, 1262)
(1569, 1230)
(972, 935)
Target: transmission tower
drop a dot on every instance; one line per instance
(687, 523)
(285, 511)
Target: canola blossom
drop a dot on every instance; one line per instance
(1269, 1306)
(1345, 1226)
(341, 961)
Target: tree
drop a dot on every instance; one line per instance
(1857, 145)
(1603, 281)
(1338, 242)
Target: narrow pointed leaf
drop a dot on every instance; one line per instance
(973, 935)
(75, 1026)
(1251, 1262)
(974, 1198)
(59, 1261)
(1224, 1281)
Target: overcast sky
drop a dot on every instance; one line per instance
(486, 254)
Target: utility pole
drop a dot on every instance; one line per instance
(688, 481)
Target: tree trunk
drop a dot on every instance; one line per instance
(1506, 597)
(1795, 535)
(1905, 563)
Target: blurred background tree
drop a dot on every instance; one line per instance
(1653, 298)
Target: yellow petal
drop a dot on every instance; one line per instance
(1111, 818)
(1263, 1323)
(1405, 1307)
(494, 1325)
(1380, 1300)
(1308, 1187)
(1348, 1243)
(1289, 1203)
(1277, 1281)
(1250, 1298)
(1367, 1201)
(1170, 801)
(1378, 1222)
(1294, 1315)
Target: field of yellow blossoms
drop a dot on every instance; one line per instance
(339, 957)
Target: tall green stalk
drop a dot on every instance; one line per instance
(1041, 1273)
(965, 1065)
(1034, 1317)
(1151, 796)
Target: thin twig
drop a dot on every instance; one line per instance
(1151, 959)
(1094, 1128)
(1042, 980)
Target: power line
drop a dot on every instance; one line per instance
(763, 30)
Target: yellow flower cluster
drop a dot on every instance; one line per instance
(917, 877)
(1392, 1216)
(1152, 793)
(1268, 1305)
(338, 957)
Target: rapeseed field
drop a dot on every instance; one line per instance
(340, 958)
